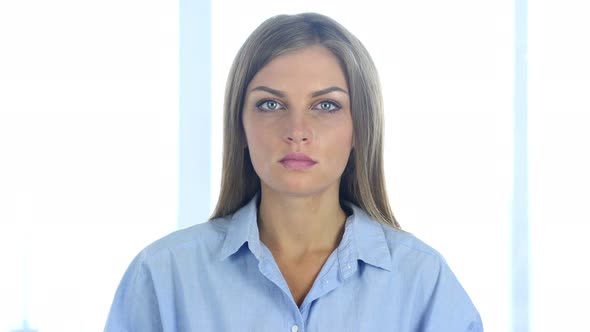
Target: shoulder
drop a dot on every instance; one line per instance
(437, 287)
(176, 255)
(406, 248)
(197, 240)
(414, 258)
(156, 270)
(400, 240)
(384, 246)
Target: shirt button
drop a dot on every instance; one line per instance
(295, 328)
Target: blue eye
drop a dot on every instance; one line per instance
(268, 105)
(328, 106)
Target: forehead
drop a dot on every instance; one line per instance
(315, 67)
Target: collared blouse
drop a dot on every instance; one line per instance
(218, 276)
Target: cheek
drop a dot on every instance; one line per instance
(338, 148)
(250, 130)
(344, 136)
(255, 137)
(258, 143)
(347, 139)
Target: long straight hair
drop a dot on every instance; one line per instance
(362, 182)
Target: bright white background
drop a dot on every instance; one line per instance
(559, 154)
(89, 130)
(88, 148)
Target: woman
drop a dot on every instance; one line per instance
(302, 238)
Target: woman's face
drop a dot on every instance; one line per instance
(298, 124)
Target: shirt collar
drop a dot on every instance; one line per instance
(363, 239)
(242, 228)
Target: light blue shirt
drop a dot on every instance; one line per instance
(218, 276)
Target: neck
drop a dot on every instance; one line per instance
(295, 226)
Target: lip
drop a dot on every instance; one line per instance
(297, 161)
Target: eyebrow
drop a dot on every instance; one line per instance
(313, 95)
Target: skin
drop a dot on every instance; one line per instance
(300, 217)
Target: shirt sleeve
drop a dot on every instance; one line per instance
(135, 307)
(448, 307)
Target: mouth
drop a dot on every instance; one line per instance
(297, 161)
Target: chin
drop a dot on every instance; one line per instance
(298, 188)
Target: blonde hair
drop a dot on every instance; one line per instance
(362, 182)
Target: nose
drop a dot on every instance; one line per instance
(298, 128)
